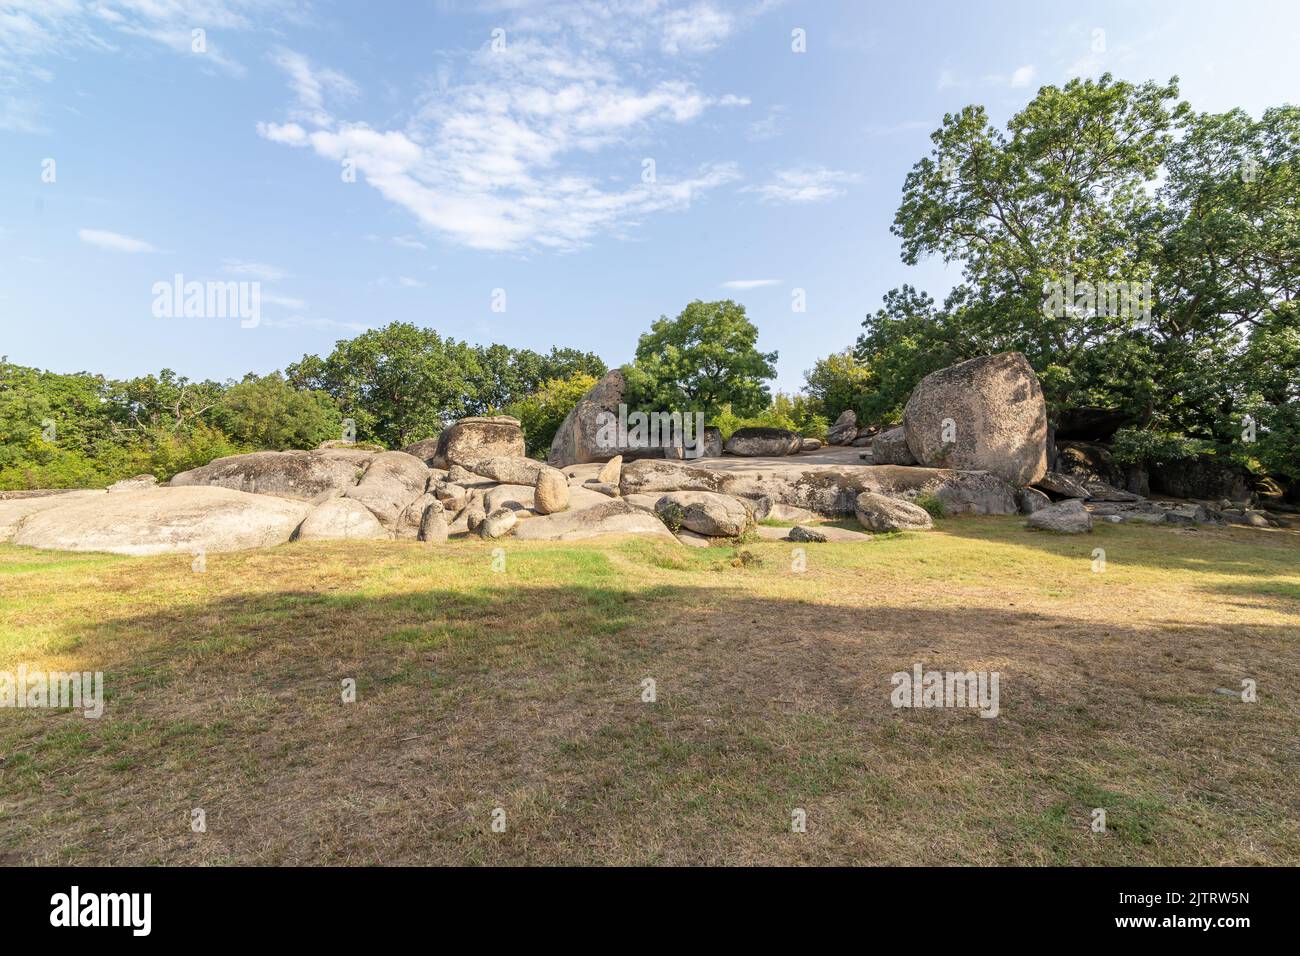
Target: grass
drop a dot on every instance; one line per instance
(522, 689)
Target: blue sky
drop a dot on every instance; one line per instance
(518, 166)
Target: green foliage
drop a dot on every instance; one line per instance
(403, 383)
(700, 361)
(796, 413)
(542, 412)
(838, 383)
(266, 412)
(932, 503)
(1147, 448)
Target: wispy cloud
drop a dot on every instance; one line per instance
(113, 241)
(743, 284)
(500, 161)
(256, 270)
(804, 184)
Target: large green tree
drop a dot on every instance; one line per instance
(705, 358)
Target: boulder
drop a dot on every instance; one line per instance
(835, 490)
(577, 440)
(1063, 486)
(890, 448)
(472, 439)
(514, 497)
(712, 442)
(649, 475)
(810, 444)
(1202, 477)
(1031, 500)
(828, 532)
(693, 540)
(1101, 491)
(391, 483)
(552, 491)
(844, 430)
(877, 512)
(498, 523)
(138, 483)
(1064, 517)
(707, 513)
(509, 470)
(986, 414)
(426, 451)
(340, 519)
(433, 526)
(161, 520)
(409, 521)
(609, 491)
(304, 475)
(610, 471)
(865, 438)
(615, 516)
(767, 507)
(763, 442)
(804, 534)
(13, 511)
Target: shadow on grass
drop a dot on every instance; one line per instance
(532, 697)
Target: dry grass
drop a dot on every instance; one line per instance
(522, 690)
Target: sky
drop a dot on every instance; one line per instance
(531, 173)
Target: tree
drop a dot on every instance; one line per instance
(542, 412)
(701, 360)
(400, 383)
(266, 412)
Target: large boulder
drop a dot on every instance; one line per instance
(552, 491)
(340, 519)
(835, 490)
(1064, 517)
(763, 442)
(577, 440)
(1202, 477)
(14, 510)
(473, 439)
(649, 475)
(426, 451)
(392, 482)
(890, 448)
(705, 512)
(712, 442)
(305, 475)
(615, 516)
(844, 430)
(161, 520)
(498, 523)
(986, 414)
(508, 469)
(877, 512)
(1062, 486)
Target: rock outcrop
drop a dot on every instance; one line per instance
(881, 513)
(844, 430)
(763, 442)
(890, 448)
(304, 475)
(476, 438)
(161, 520)
(616, 516)
(986, 414)
(1065, 517)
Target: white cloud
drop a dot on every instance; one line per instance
(1024, 75)
(695, 29)
(408, 243)
(257, 270)
(743, 284)
(768, 127)
(804, 184)
(400, 282)
(311, 85)
(496, 163)
(113, 241)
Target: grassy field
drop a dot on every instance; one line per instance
(521, 689)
